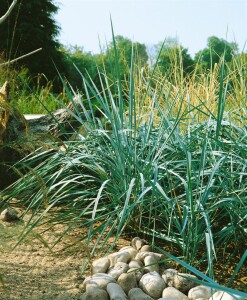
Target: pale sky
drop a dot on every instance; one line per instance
(84, 22)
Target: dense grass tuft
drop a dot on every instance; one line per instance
(155, 159)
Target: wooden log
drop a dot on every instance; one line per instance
(4, 109)
(55, 124)
(20, 136)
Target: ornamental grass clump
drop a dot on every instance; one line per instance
(141, 164)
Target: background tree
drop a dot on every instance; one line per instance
(171, 55)
(31, 26)
(76, 58)
(215, 49)
(124, 48)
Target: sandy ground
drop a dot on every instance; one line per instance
(33, 272)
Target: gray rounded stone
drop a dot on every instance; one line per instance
(137, 243)
(95, 293)
(116, 292)
(127, 281)
(9, 215)
(99, 280)
(118, 269)
(138, 294)
(138, 273)
(183, 283)
(151, 264)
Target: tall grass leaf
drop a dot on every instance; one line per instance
(120, 89)
(96, 205)
(204, 197)
(125, 211)
(132, 112)
(221, 100)
(210, 255)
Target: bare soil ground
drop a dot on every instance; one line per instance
(33, 272)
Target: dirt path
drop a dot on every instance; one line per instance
(33, 272)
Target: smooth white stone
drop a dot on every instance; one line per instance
(152, 284)
(146, 248)
(122, 256)
(141, 255)
(100, 265)
(171, 292)
(135, 263)
(132, 251)
(151, 264)
(200, 291)
(100, 280)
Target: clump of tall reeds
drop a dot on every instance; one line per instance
(167, 161)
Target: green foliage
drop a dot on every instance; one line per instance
(216, 48)
(31, 26)
(9, 73)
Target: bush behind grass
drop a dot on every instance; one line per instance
(149, 165)
(38, 100)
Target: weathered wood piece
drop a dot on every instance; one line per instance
(16, 128)
(20, 136)
(4, 109)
